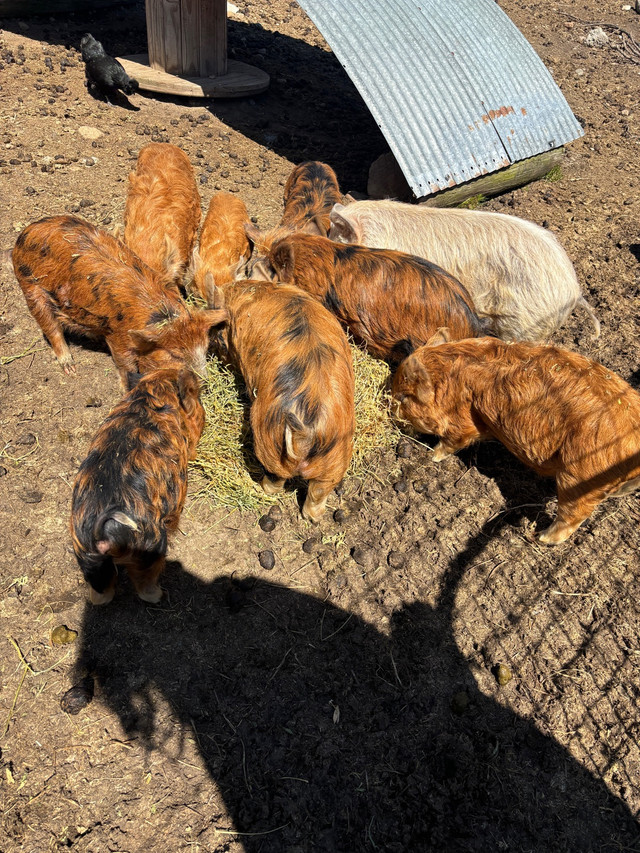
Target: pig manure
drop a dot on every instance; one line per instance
(62, 635)
(275, 512)
(401, 487)
(78, 696)
(403, 449)
(30, 497)
(3, 471)
(460, 702)
(267, 523)
(266, 559)
(310, 545)
(365, 557)
(93, 403)
(502, 674)
(341, 515)
(396, 559)
(26, 439)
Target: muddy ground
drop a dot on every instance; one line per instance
(326, 704)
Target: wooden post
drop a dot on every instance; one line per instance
(188, 53)
(188, 37)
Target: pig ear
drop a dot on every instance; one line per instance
(214, 295)
(282, 260)
(215, 317)
(416, 375)
(315, 225)
(145, 340)
(172, 262)
(196, 262)
(442, 336)
(349, 198)
(188, 390)
(254, 235)
(262, 271)
(341, 228)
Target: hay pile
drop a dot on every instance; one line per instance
(230, 472)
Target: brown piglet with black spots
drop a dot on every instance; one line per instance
(130, 490)
(560, 413)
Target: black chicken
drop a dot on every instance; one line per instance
(105, 75)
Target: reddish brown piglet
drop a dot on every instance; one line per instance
(390, 301)
(310, 193)
(223, 246)
(562, 414)
(78, 278)
(162, 213)
(297, 366)
(130, 490)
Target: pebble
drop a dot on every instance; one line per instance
(267, 559)
(88, 132)
(596, 38)
(3, 471)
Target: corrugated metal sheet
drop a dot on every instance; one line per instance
(454, 86)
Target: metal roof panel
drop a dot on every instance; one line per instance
(455, 87)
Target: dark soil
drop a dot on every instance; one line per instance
(347, 698)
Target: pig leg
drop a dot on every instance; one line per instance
(452, 443)
(40, 304)
(316, 501)
(272, 487)
(101, 576)
(573, 509)
(145, 579)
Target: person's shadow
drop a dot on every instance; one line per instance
(314, 724)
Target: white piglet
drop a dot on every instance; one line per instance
(517, 272)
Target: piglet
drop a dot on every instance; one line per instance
(310, 194)
(297, 367)
(130, 490)
(518, 274)
(223, 248)
(162, 213)
(390, 301)
(562, 414)
(77, 277)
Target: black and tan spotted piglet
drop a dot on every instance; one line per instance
(130, 490)
(76, 277)
(297, 366)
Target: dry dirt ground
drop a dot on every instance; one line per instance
(323, 705)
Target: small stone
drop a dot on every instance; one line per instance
(78, 696)
(310, 545)
(86, 202)
(341, 515)
(62, 636)
(396, 559)
(29, 191)
(267, 559)
(3, 471)
(275, 512)
(401, 487)
(460, 702)
(30, 496)
(266, 523)
(204, 179)
(502, 673)
(365, 557)
(89, 132)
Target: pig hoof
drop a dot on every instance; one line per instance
(554, 535)
(150, 594)
(313, 512)
(101, 597)
(440, 453)
(271, 487)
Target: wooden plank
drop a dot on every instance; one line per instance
(239, 81)
(204, 38)
(164, 35)
(499, 182)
